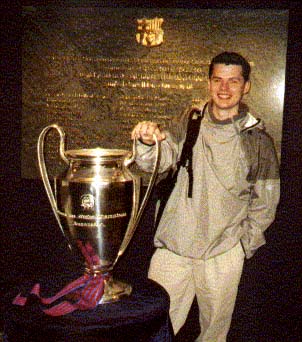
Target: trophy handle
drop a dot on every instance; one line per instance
(135, 218)
(43, 169)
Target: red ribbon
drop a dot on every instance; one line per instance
(85, 292)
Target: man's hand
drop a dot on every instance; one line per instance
(144, 132)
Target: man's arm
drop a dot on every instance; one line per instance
(264, 198)
(146, 155)
(171, 142)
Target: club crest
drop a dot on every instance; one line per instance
(87, 202)
(150, 32)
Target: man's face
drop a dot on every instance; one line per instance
(227, 87)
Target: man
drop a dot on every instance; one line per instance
(225, 196)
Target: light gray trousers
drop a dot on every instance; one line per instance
(214, 282)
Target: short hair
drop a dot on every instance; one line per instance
(231, 58)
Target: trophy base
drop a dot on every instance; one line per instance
(115, 290)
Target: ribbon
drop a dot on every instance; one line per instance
(83, 293)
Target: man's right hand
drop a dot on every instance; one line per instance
(145, 130)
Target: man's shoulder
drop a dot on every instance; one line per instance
(262, 134)
(177, 127)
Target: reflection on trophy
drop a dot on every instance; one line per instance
(96, 204)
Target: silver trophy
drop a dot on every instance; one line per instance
(96, 204)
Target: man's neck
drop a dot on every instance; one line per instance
(226, 116)
(222, 115)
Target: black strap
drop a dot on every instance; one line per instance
(186, 158)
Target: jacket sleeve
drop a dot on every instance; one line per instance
(264, 198)
(146, 155)
(170, 147)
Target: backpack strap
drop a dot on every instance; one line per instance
(186, 158)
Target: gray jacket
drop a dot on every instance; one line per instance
(236, 186)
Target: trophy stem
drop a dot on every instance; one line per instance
(114, 290)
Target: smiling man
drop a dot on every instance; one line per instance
(227, 85)
(226, 190)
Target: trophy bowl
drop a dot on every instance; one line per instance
(96, 204)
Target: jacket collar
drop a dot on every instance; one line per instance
(248, 122)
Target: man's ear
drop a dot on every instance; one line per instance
(247, 87)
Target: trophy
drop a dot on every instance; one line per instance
(97, 206)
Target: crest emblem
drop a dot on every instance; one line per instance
(150, 32)
(87, 202)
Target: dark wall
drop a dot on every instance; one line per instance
(269, 300)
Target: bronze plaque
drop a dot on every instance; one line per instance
(98, 71)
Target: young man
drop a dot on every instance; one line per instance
(225, 196)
